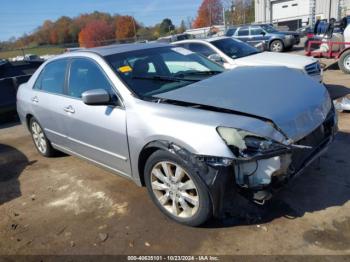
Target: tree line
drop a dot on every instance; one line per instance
(99, 28)
(92, 29)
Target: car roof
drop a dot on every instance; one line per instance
(209, 40)
(122, 48)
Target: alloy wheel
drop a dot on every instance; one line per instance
(174, 189)
(39, 137)
(277, 46)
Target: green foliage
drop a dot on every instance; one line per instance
(166, 26)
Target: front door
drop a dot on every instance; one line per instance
(257, 35)
(95, 132)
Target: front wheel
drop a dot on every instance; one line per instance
(276, 46)
(176, 189)
(344, 62)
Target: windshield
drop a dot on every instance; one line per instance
(269, 29)
(234, 48)
(153, 71)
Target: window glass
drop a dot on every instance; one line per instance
(201, 49)
(231, 31)
(269, 29)
(152, 71)
(86, 75)
(234, 48)
(256, 31)
(176, 63)
(52, 77)
(243, 31)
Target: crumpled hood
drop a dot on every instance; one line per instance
(276, 59)
(292, 100)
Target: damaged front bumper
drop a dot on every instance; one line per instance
(260, 177)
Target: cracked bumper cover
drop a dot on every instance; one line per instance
(277, 169)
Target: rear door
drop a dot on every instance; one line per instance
(95, 132)
(48, 98)
(243, 34)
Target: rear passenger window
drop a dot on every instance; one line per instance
(244, 31)
(86, 75)
(52, 77)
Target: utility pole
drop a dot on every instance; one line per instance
(210, 21)
(330, 11)
(224, 16)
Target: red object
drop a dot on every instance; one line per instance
(310, 35)
(328, 54)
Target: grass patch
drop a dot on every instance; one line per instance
(44, 50)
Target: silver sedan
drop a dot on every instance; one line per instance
(176, 122)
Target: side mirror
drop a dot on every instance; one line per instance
(96, 97)
(216, 58)
(263, 33)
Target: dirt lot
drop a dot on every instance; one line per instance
(67, 206)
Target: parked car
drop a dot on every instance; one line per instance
(31, 57)
(275, 41)
(12, 74)
(232, 53)
(173, 38)
(172, 120)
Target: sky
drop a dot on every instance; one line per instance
(23, 16)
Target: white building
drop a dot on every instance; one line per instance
(297, 13)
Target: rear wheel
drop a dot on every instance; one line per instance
(344, 62)
(40, 140)
(276, 46)
(176, 189)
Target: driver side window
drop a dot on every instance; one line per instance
(86, 75)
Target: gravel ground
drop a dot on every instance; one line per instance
(65, 205)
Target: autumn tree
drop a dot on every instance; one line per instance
(209, 13)
(239, 11)
(96, 33)
(126, 27)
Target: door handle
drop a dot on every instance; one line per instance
(69, 109)
(35, 99)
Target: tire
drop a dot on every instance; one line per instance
(277, 46)
(42, 144)
(344, 62)
(165, 188)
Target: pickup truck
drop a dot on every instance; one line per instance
(12, 74)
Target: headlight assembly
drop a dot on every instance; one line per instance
(246, 145)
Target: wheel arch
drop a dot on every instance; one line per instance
(27, 119)
(152, 147)
(343, 51)
(208, 173)
(274, 39)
